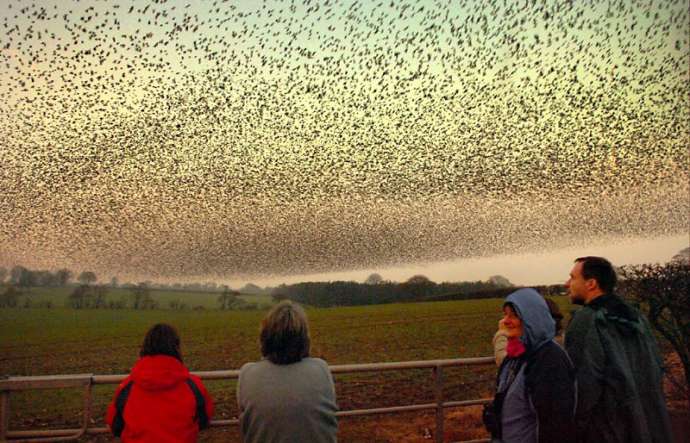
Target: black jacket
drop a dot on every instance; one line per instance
(550, 379)
(619, 374)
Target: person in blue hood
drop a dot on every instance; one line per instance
(535, 389)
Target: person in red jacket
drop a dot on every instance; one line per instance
(160, 401)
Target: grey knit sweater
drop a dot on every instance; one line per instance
(287, 403)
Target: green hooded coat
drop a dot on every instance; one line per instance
(619, 375)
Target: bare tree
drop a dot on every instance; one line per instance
(63, 276)
(374, 279)
(141, 297)
(417, 287)
(227, 298)
(22, 277)
(500, 281)
(87, 278)
(100, 293)
(682, 256)
(663, 293)
(78, 298)
(418, 280)
(9, 297)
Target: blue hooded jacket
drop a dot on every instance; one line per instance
(538, 388)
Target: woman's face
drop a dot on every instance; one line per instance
(512, 322)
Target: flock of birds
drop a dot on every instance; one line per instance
(216, 138)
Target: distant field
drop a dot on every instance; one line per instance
(62, 341)
(207, 300)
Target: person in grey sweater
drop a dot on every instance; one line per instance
(287, 396)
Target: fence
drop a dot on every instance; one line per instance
(87, 381)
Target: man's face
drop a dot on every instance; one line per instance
(577, 285)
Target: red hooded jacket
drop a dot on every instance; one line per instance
(161, 406)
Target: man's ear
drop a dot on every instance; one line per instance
(591, 284)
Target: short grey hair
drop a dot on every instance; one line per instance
(285, 334)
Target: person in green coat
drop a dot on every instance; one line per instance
(618, 365)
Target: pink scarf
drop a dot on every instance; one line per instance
(515, 347)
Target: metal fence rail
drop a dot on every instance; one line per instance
(87, 381)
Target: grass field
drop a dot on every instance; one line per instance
(64, 341)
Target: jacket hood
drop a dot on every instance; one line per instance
(615, 307)
(615, 310)
(159, 372)
(537, 323)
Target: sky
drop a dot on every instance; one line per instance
(274, 141)
(532, 269)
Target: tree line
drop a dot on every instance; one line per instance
(375, 290)
(26, 278)
(15, 292)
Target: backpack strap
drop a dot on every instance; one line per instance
(201, 417)
(119, 420)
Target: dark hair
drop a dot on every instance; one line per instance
(555, 314)
(600, 270)
(285, 334)
(161, 339)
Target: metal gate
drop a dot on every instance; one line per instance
(87, 381)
